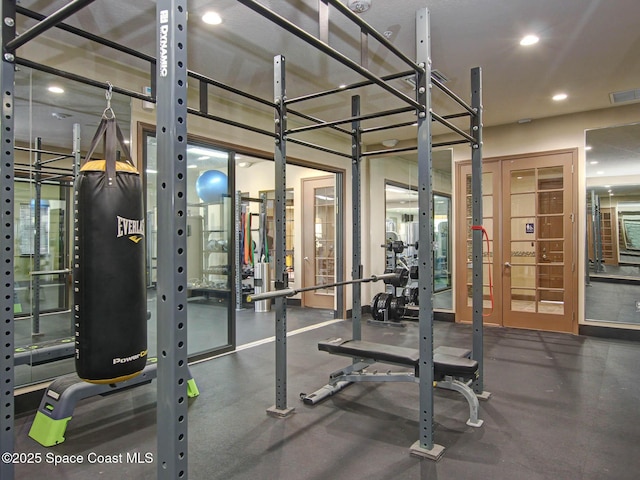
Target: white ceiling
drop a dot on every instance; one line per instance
(587, 48)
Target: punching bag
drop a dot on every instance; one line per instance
(110, 305)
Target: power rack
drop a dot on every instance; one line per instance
(169, 91)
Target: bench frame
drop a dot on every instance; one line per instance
(358, 372)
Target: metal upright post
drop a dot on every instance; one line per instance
(597, 235)
(476, 239)
(37, 238)
(280, 210)
(339, 313)
(173, 373)
(356, 217)
(425, 446)
(7, 299)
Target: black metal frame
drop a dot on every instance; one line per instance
(170, 85)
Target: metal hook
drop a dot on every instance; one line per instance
(108, 112)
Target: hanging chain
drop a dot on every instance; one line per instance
(108, 112)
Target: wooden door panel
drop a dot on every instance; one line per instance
(528, 213)
(539, 242)
(319, 232)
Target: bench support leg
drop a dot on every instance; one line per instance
(450, 383)
(323, 392)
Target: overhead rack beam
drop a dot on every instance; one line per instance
(80, 79)
(318, 147)
(89, 36)
(345, 88)
(323, 47)
(449, 143)
(387, 127)
(389, 151)
(452, 95)
(349, 120)
(232, 123)
(451, 126)
(342, 8)
(228, 88)
(45, 24)
(44, 152)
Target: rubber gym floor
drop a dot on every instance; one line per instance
(562, 407)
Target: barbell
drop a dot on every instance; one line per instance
(397, 278)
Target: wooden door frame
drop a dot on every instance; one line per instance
(460, 242)
(460, 278)
(303, 280)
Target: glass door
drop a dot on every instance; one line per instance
(210, 247)
(490, 208)
(319, 220)
(529, 274)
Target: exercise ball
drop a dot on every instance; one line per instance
(211, 185)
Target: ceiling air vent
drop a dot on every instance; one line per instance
(437, 74)
(626, 96)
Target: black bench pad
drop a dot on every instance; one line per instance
(443, 364)
(375, 351)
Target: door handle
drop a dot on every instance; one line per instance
(507, 264)
(306, 259)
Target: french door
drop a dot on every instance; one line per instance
(529, 276)
(319, 239)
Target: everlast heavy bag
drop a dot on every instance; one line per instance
(110, 308)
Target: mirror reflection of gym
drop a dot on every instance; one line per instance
(612, 289)
(401, 227)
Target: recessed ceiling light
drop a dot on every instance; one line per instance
(529, 40)
(600, 172)
(588, 147)
(593, 162)
(54, 89)
(211, 18)
(559, 97)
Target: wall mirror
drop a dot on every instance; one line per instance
(612, 292)
(401, 224)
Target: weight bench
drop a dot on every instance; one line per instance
(60, 399)
(453, 369)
